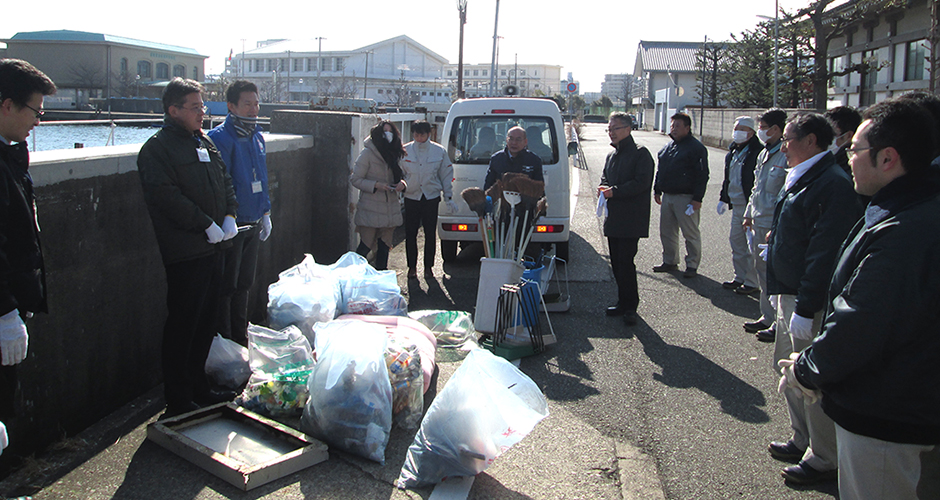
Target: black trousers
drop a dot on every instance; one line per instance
(238, 274)
(192, 297)
(622, 253)
(421, 213)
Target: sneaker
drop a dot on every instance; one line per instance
(802, 473)
(731, 285)
(665, 268)
(690, 273)
(746, 290)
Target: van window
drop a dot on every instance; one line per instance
(473, 139)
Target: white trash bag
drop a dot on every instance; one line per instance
(302, 296)
(227, 364)
(487, 406)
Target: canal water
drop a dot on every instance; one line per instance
(47, 136)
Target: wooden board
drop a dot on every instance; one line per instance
(243, 448)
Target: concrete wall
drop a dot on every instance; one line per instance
(719, 123)
(99, 347)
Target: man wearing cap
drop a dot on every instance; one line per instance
(735, 191)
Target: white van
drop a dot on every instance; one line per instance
(473, 131)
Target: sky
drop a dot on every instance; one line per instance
(588, 38)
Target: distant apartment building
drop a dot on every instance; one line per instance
(887, 52)
(529, 79)
(397, 72)
(92, 65)
(618, 87)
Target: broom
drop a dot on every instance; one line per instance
(476, 200)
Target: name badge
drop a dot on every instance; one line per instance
(256, 187)
(203, 155)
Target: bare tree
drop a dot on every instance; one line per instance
(934, 57)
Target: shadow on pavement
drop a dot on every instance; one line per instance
(685, 368)
(746, 306)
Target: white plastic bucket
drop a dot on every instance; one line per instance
(494, 273)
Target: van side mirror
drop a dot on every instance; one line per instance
(572, 148)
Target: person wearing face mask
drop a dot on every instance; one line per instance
(769, 176)
(845, 120)
(735, 191)
(242, 147)
(379, 178)
(22, 271)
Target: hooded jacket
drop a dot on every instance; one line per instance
(376, 208)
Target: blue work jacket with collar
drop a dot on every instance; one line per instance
(245, 159)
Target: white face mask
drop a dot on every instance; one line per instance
(833, 148)
(389, 136)
(763, 136)
(739, 136)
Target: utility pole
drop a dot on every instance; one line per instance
(495, 39)
(319, 62)
(241, 63)
(289, 64)
(462, 8)
(365, 85)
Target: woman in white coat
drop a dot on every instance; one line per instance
(378, 176)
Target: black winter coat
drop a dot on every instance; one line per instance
(683, 168)
(629, 171)
(22, 271)
(184, 195)
(876, 358)
(747, 170)
(811, 220)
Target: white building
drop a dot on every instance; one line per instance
(398, 71)
(618, 86)
(530, 79)
(668, 71)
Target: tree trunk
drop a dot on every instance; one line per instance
(821, 62)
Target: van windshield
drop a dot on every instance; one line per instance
(473, 139)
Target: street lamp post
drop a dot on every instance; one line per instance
(495, 40)
(462, 8)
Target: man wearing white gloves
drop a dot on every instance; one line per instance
(242, 147)
(192, 206)
(22, 272)
(875, 362)
(814, 213)
(735, 191)
(428, 173)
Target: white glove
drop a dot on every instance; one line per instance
(721, 208)
(800, 327)
(14, 341)
(214, 233)
(452, 206)
(789, 378)
(265, 226)
(4, 440)
(773, 300)
(763, 251)
(229, 227)
(689, 210)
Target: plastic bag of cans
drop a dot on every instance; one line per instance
(407, 379)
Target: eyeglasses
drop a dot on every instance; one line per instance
(38, 112)
(614, 129)
(195, 109)
(853, 152)
(785, 140)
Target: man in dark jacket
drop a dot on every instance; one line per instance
(844, 120)
(242, 147)
(679, 189)
(625, 185)
(735, 191)
(877, 356)
(192, 206)
(22, 272)
(813, 215)
(515, 158)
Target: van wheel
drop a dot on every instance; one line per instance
(561, 250)
(448, 250)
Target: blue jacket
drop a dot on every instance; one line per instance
(245, 159)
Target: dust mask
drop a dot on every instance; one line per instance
(389, 136)
(739, 136)
(763, 136)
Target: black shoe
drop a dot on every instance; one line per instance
(785, 451)
(731, 285)
(802, 473)
(175, 410)
(690, 273)
(755, 327)
(630, 318)
(615, 311)
(213, 397)
(768, 335)
(746, 290)
(665, 268)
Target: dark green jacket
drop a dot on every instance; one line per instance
(184, 195)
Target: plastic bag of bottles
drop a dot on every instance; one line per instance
(281, 362)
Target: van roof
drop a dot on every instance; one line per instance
(490, 105)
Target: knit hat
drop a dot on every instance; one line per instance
(747, 121)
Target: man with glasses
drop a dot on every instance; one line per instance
(22, 271)
(514, 158)
(679, 189)
(876, 359)
(192, 205)
(813, 215)
(242, 147)
(625, 186)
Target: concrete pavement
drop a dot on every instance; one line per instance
(680, 406)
